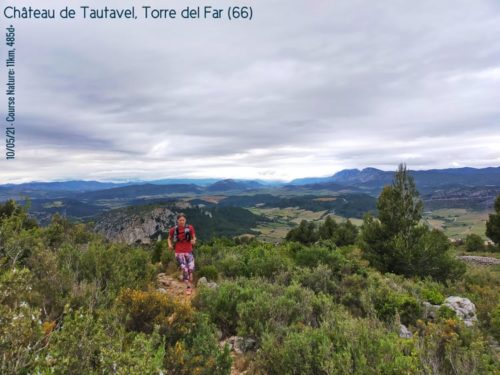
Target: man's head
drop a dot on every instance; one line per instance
(181, 219)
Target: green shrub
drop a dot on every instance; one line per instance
(327, 230)
(52, 285)
(21, 333)
(448, 347)
(299, 353)
(198, 352)
(341, 345)
(233, 265)
(495, 323)
(388, 303)
(156, 252)
(409, 310)
(268, 311)
(319, 279)
(141, 311)
(311, 256)
(482, 286)
(305, 233)
(265, 261)
(115, 266)
(474, 242)
(250, 307)
(87, 345)
(191, 342)
(432, 295)
(353, 293)
(346, 234)
(221, 304)
(445, 312)
(210, 272)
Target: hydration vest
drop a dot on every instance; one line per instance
(187, 233)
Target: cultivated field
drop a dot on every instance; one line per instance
(458, 222)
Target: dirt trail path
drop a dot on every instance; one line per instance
(176, 288)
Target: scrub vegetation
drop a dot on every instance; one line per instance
(329, 300)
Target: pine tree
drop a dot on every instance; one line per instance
(398, 242)
(328, 228)
(345, 234)
(493, 223)
(399, 206)
(305, 233)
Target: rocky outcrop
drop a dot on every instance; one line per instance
(464, 309)
(204, 282)
(430, 310)
(239, 344)
(131, 227)
(404, 332)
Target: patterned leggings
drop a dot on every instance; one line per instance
(186, 262)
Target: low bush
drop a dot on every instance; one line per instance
(495, 323)
(209, 272)
(141, 311)
(474, 242)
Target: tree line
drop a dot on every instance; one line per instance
(397, 240)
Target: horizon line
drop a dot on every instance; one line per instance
(132, 180)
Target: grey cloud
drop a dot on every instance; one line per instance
(334, 84)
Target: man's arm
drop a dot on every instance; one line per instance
(193, 238)
(169, 241)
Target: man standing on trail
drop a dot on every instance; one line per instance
(183, 237)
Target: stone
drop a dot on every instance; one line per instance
(219, 334)
(212, 285)
(404, 332)
(464, 308)
(241, 344)
(430, 310)
(164, 280)
(202, 281)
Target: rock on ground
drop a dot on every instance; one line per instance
(204, 282)
(239, 344)
(430, 310)
(464, 309)
(169, 284)
(404, 332)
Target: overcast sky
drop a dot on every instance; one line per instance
(306, 88)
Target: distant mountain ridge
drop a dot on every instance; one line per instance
(85, 186)
(351, 177)
(74, 185)
(373, 177)
(134, 191)
(367, 180)
(230, 184)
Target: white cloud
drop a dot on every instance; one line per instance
(307, 88)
